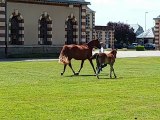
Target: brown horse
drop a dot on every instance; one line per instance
(102, 59)
(78, 52)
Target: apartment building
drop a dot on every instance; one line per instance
(157, 32)
(90, 24)
(106, 35)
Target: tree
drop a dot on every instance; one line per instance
(123, 34)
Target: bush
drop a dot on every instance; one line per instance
(139, 48)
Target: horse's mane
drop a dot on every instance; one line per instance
(113, 51)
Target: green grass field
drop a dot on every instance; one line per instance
(35, 90)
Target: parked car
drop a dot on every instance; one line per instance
(149, 46)
(132, 46)
(118, 46)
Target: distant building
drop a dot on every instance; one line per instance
(137, 29)
(106, 35)
(90, 24)
(157, 32)
(146, 37)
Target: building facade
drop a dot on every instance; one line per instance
(146, 37)
(106, 35)
(36, 26)
(90, 24)
(157, 32)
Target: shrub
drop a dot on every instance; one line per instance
(139, 48)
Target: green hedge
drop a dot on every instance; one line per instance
(140, 48)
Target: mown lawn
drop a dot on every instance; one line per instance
(35, 90)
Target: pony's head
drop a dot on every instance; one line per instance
(94, 44)
(114, 52)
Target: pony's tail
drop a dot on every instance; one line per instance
(63, 59)
(94, 56)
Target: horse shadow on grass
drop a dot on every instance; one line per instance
(101, 76)
(108, 78)
(79, 75)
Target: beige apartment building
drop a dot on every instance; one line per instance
(41, 26)
(90, 24)
(157, 32)
(106, 35)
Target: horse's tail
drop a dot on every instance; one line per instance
(63, 57)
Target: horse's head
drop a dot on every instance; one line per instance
(94, 44)
(114, 52)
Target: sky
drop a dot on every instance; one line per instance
(126, 11)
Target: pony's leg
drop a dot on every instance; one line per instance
(70, 65)
(90, 60)
(97, 76)
(112, 70)
(80, 67)
(104, 65)
(64, 69)
(98, 71)
(114, 73)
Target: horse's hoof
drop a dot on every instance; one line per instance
(97, 76)
(61, 73)
(76, 73)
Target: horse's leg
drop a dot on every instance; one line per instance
(114, 72)
(98, 71)
(80, 67)
(70, 65)
(90, 60)
(104, 65)
(111, 68)
(99, 65)
(64, 69)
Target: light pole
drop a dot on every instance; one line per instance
(145, 20)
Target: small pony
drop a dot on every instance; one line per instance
(102, 59)
(78, 52)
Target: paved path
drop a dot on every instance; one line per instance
(123, 54)
(120, 54)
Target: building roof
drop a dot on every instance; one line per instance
(147, 34)
(70, 1)
(90, 10)
(81, 2)
(137, 29)
(67, 0)
(134, 26)
(158, 17)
